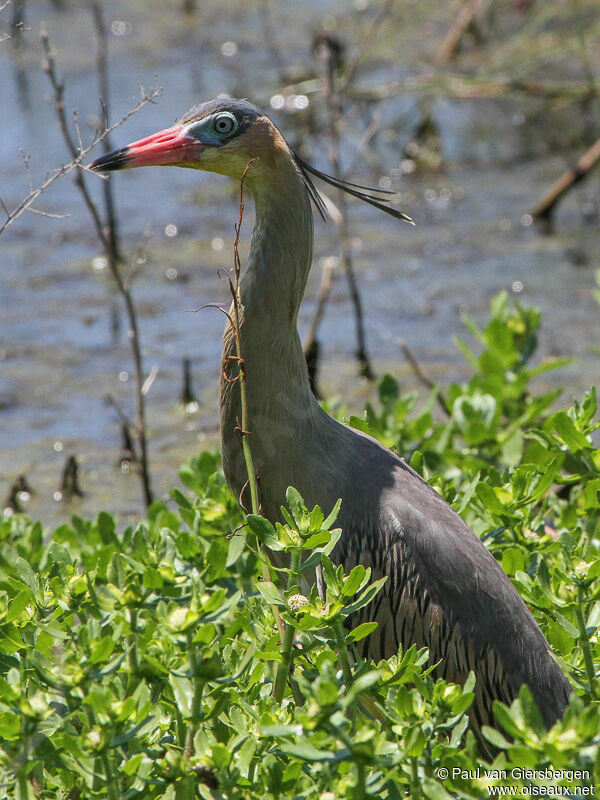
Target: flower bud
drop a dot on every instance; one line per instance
(296, 602)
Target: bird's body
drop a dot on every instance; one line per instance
(444, 590)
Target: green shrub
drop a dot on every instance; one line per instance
(144, 663)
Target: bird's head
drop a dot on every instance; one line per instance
(223, 136)
(219, 136)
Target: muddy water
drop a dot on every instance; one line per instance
(63, 343)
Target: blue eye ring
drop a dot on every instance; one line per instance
(224, 123)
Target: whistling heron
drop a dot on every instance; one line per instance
(444, 591)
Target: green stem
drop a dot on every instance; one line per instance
(132, 655)
(245, 442)
(416, 787)
(113, 791)
(585, 644)
(361, 781)
(196, 703)
(23, 784)
(283, 670)
(342, 652)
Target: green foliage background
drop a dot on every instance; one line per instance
(142, 663)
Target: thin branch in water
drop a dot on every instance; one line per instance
(365, 42)
(151, 377)
(187, 397)
(330, 51)
(26, 203)
(18, 21)
(427, 382)
(49, 214)
(461, 25)
(107, 242)
(139, 257)
(271, 44)
(545, 207)
(103, 85)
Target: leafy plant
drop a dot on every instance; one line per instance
(150, 662)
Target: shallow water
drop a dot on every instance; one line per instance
(63, 343)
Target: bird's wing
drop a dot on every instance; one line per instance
(445, 590)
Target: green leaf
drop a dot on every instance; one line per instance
(361, 631)
(280, 730)
(271, 593)
(495, 738)
(513, 560)
(147, 725)
(308, 752)
(506, 718)
(435, 791)
(354, 581)
(317, 540)
(366, 597)
(571, 629)
(102, 649)
(329, 573)
(26, 574)
(295, 503)
(333, 515)
(130, 767)
(18, 604)
(152, 578)
(362, 683)
(183, 692)
(237, 544)
(10, 725)
(490, 500)
(106, 527)
(315, 519)
(264, 531)
(572, 437)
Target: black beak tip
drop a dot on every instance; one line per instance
(111, 161)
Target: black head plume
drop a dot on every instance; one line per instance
(378, 198)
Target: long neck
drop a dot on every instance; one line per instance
(280, 257)
(281, 407)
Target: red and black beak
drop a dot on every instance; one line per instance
(172, 146)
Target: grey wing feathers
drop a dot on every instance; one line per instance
(447, 592)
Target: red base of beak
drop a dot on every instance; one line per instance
(168, 147)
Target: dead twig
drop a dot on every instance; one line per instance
(271, 42)
(546, 205)
(331, 52)
(366, 41)
(108, 243)
(77, 162)
(187, 397)
(102, 69)
(234, 288)
(69, 482)
(461, 25)
(427, 382)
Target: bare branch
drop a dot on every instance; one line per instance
(462, 23)
(28, 201)
(365, 42)
(546, 205)
(333, 89)
(427, 382)
(106, 235)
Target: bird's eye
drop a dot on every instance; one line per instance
(224, 124)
